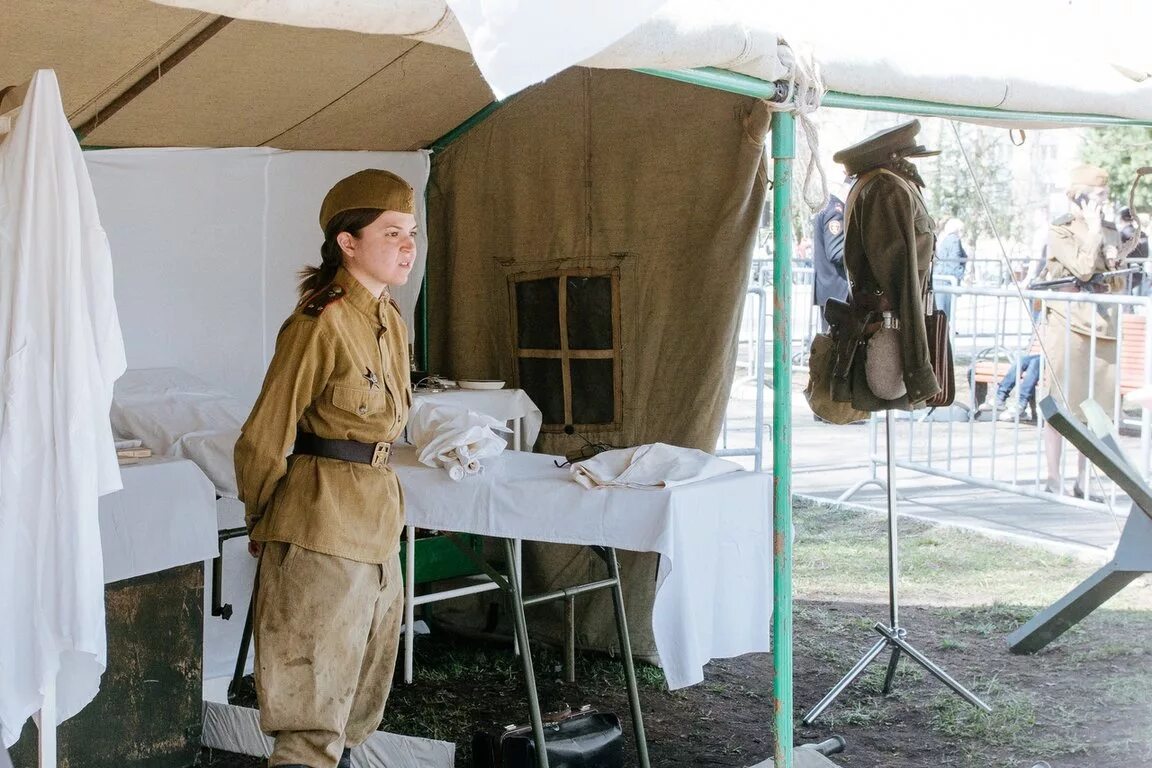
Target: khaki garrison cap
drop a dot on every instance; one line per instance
(1089, 176)
(370, 188)
(882, 148)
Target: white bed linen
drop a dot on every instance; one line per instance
(165, 516)
(714, 583)
(176, 414)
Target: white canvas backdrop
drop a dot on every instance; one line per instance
(206, 244)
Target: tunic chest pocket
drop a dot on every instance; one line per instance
(362, 402)
(925, 240)
(924, 224)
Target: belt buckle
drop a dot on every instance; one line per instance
(381, 454)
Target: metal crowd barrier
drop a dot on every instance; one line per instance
(994, 324)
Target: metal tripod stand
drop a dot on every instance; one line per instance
(892, 635)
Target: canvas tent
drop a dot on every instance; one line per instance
(292, 75)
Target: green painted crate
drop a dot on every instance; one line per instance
(438, 558)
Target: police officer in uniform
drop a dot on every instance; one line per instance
(326, 522)
(830, 281)
(1080, 245)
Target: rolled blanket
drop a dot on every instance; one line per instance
(454, 438)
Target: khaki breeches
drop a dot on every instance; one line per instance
(1070, 364)
(326, 631)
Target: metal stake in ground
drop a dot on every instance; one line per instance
(892, 635)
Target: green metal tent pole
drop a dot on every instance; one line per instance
(783, 150)
(733, 82)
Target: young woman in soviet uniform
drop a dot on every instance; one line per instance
(326, 522)
(1080, 245)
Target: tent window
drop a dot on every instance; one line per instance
(567, 326)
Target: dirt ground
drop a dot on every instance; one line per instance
(1085, 701)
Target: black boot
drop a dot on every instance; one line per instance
(345, 759)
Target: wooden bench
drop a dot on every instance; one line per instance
(1133, 331)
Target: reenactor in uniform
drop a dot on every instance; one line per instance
(1081, 246)
(326, 522)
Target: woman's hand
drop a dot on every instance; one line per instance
(255, 548)
(1093, 210)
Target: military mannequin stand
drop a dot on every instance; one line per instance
(893, 634)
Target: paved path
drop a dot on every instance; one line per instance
(828, 460)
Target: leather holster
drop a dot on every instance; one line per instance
(848, 327)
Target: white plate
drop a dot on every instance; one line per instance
(480, 384)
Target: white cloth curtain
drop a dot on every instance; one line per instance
(60, 352)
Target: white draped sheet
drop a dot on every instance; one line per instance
(60, 352)
(714, 583)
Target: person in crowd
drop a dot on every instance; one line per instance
(951, 262)
(1025, 372)
(1079, 337)
(326, 522)
(1126, 225)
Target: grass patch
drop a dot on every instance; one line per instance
(988, 620)
(1013, 716)
(840, 553)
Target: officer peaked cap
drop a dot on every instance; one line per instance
(882, 148)
(370, 188)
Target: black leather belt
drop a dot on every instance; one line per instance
(374, 454)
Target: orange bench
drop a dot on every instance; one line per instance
(1134, 332)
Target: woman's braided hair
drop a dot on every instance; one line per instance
(352, 221)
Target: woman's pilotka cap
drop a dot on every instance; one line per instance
(882, 148)
(370, 188)
(1088, 176)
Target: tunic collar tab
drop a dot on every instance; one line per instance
(359, 296)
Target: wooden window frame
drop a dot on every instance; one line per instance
(566, 355)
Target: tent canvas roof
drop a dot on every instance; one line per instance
(138, 73)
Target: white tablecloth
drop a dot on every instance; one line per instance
(503, 404)
(714, 583)
(164, 517)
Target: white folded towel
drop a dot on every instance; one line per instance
(649, 466)
(454, 438)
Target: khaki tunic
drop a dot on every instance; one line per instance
(1074, 252)
(1075, 365)
(340, 373)
(888, 247)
